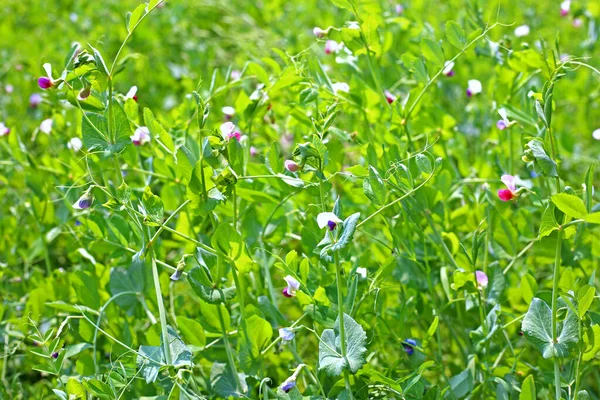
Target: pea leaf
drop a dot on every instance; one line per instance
(153, 206)
(330, 350)
(455, 35)
(227, 241)
(537, 326)
(374, 187)
(260, 333)
(347, 233)
(206, 292)
(543, 164)
(528, 389)
(432, 52)
(570, 204)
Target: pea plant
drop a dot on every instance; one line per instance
(387, 205)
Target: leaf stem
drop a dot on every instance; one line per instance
(557, 260)
(161, 312)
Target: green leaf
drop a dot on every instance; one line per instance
(456, 35)
(192, 331)
(135, 16)
(150, 357)
(593, 218)
(548, 224)
(330, 351)
(202, 287)
(342, 4)
(462, 383)
(157, 130)
(528, 287)
(154, 207)
(432, 52)
(94, 131)
(260, 333)
(423, 164)
(100, 64)
(121, 129)
(540, 112)
(227, 241)
(570, 204)
(75, 389)
(99, 389)
(537, 326)
(528, 389)
(544, 165)
(349, 227)
(585, 297)
(374, 187)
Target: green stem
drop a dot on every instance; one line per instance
(228, 350)
(161, 312)
(557, 260)
(340, 300)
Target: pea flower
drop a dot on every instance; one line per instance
(85, 201)
(84, 93)
(522, 30)
(328, 219)
(228, 131)
(482, 279)
(228, 111)
(473, 87)
(318, 32)
(362, 272)
(46, 82)
(131, 94)
(340, 87)
(399, 9)
(292, 286)
(290, 382)
(178, 272)
(408, 345)
(4, 130)
(577, 23)
(511, 191)
(291, 166)
(389, 96)
(286, 335)
(331, 46)
(235, 75)
(55, 355)
(75, 144)
(595, 134)
(140, 136)
(253, 151)
(565, 6)
(46, 126)
(35, 100)
(504, 123)
(9, 88)
(448, 69)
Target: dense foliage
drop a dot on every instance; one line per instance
(345, 199)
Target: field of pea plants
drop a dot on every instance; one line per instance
(303, 199)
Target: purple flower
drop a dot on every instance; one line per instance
(45, 82)
(55, 355)
(408, 345)
(85, 201)
(141, 136)
(4, 130)
(291, 166)
(286, 335)
(501, 124)
(448, 69)
(482, 279)
(331, 225)
(77, 222)
(328, 219)
(253, 151)
(288, 385)
(35, 100)
(399, 9)
(473, 87)
(292, 287)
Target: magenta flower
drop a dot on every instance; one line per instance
(228, 131)
(511, 191)
(389, 96)
(45, 82)
(565, 6)
(482, 279)
(292, 286)
(291, 166)
(253, 151)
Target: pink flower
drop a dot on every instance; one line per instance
(291, 165)
(511, 191)
(389, 96)
(253, 151)
(228, 131)
(318, 32)
(331, 46)
(482, 279)
(292, 286)
(141, 136)
(45, 82)
(565, 6)
(235, 75)
(35, 100)
(577, 23)
(399, 9)
(4, 130)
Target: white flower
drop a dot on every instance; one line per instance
(565, 6)
(595, 134)
(75, 144)
(46, 126)
(141, 136)
(4, 130)
(9, 88)
(448, 66)
(473, 87)
(522, 30)
(131, 93)
(331, 46)
(362, 272)
(228, 111)
(318, 32)
(292, 286)
(340, 87)
(328, 219)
